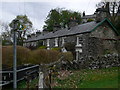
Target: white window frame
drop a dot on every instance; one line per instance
(35, 44)
(63, 40)
(79, 50)
(77, 43)
(56, 42)
(43, 42)
(48, 42)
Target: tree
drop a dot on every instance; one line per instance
(60, 17)
(113, 11)
(52, 18)
(6, 34)
(26, 28)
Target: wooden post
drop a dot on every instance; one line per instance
(40, 85)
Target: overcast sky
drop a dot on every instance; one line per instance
(37, 10)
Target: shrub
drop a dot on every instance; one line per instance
(56, 48)
(44, 56)
(68, 56)
(42, 47)
(90, 20)
(70, 46)
(22, 55)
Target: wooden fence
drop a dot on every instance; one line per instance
(22, 73)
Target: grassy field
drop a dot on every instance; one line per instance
(103, 78)
(32, 84)
(99, 78)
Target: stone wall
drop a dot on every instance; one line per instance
(91, 46)
(105, 61)
(95, 46)
(104, 31)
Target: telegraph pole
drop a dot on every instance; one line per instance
(15, 61)
(16, 24)
(15, 28)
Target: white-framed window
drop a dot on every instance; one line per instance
(79, 50)
(35, 44)
(48, 42)
(32, 43)
(43, 43)
(63, 40)
(78, 42)
(56, 42)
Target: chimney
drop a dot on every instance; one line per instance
(28, 36)
(45, 31)
(33, 35)
(38, 33)
(101, 13)
(83, 13)
(56, 27)
(72, 22)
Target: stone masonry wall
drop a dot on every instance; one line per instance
(105, 61)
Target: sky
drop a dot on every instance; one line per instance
(38, 10)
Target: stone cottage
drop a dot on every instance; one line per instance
(91, 39)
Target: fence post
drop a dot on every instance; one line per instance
(40, 84)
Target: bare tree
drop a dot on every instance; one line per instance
(6, 33)
(113, 9)
(113, 12)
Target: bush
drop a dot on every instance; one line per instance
(42, 47)
(44, 56)
(56, 48)
(26, 56)
(90, 20)
(22, 55)
(68, 56)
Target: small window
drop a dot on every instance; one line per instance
(56, 42)
(63, 40)
(79, 41)
(48, 42)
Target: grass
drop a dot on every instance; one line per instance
(32, 84)
(103, 78)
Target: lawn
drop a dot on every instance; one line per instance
(99, 78)
(32, 84)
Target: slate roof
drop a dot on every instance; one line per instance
(82, 28)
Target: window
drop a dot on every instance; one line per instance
(35, 44)
(56, 42)
(78, 42)
(79, 50)
(63, 40)
(43, 43)
(48, 42)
